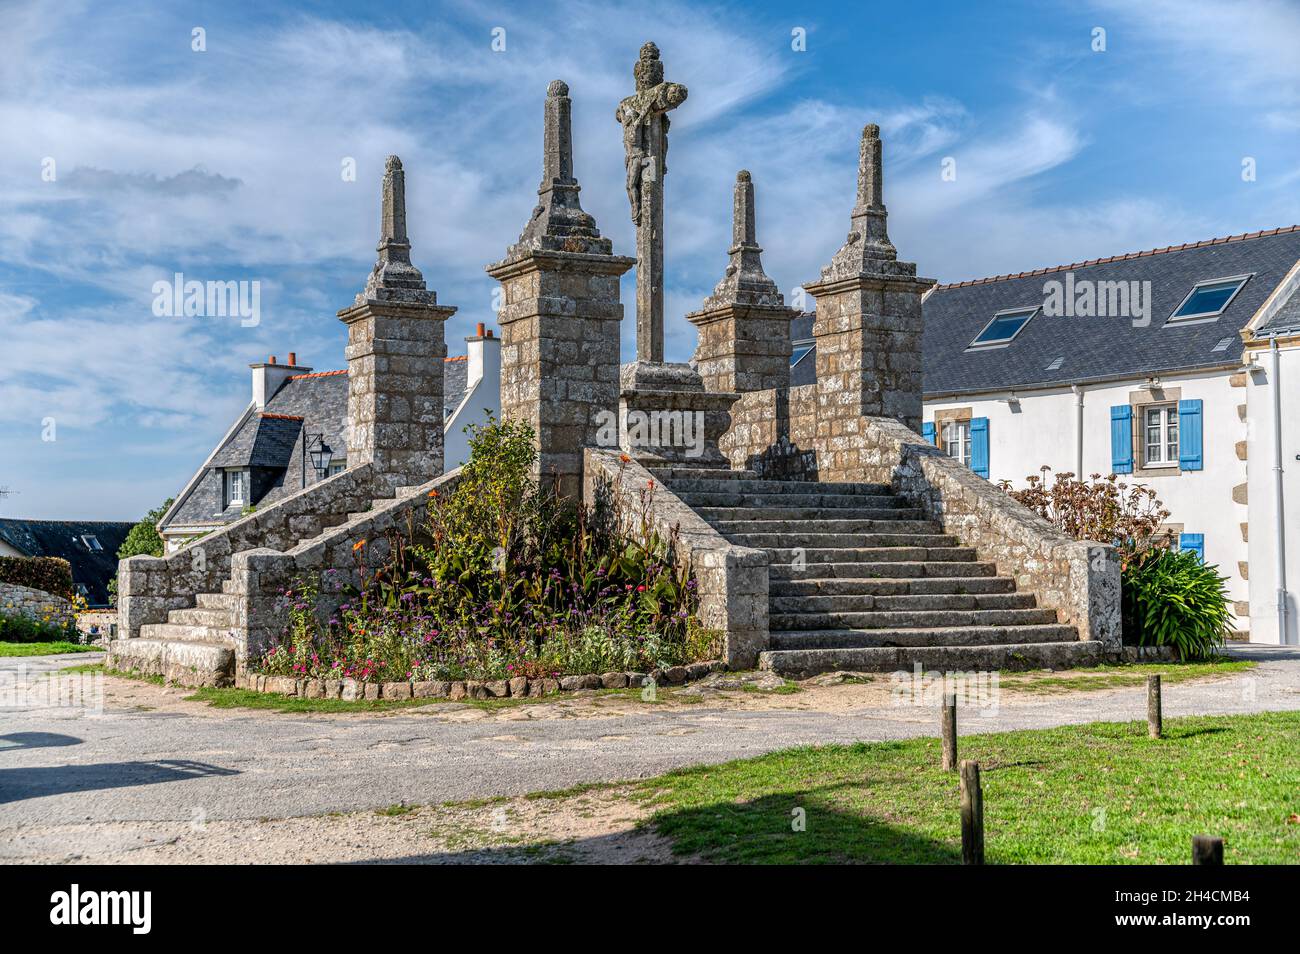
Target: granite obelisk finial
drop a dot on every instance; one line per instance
(394, 278)
(558, 223)
(868, 243)
(745, 282)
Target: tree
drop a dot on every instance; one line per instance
(142, 540)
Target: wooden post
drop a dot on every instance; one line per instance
(948, 729)
(1207, 850)
(972, 814)
(1154, 724)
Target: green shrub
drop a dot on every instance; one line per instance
(1171, 598)
(50, 574)
(503, 579)
(16, 628)
(141, 540)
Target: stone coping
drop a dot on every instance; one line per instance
(520, 687)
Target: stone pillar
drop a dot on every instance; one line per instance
(395, 353)
(561, 316)
(868, 327)
(744, 325)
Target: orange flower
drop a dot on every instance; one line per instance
(650, 484)
(358, 545)
(433, 493)
(624, 458)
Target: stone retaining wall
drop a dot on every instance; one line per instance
(148, 587)
(731, 580)
(520, 687)
(36, 605)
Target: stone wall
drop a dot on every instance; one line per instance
(1079, 579)
(773, 433)
(148, 587)
(731, 580)
(36, 605)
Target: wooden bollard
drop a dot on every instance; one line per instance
(1154, 722)
(948, 730)
(972, 814)
(1207, 850)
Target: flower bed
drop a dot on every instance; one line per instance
(501, 581)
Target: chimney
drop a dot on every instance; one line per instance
(268, 378)
(484, 353)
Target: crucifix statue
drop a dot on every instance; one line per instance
(644, 116)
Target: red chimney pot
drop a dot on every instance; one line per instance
(479, 329)
(271, 360)
(293, 359)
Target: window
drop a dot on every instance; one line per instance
(1209, 299)
(91, 542)
(1160, 435)
(337, 467)
(956, 441)
(1056, 364)
(1004, 326)
(798, 354)
(236, 487)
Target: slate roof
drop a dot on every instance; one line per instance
(269, 443)
(91, 569)
(1097, 348)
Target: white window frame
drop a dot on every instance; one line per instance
(336, 467)
(1241, 281)
(91, 542)
(977, 345)
(960, 437)
(1168, 449)
(230, 482)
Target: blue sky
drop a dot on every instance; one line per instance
(226, 165)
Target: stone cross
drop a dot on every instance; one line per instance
(644, 118)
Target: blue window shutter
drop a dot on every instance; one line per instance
(979, 446)
(1189, 434)
(927, 431)
(1193, 541)
(1121, 439)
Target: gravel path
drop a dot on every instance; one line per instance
(77, 784)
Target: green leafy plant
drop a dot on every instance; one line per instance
(502, 579)
(1172, 598)
(17, 628)
(49, 574)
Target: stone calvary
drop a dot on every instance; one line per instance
(823, 531)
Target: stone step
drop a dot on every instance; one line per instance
(918, 620)
(201, 616)
(818, 555)
(905, 603)
(802, 663)
(766, 540)
(694, 484)
(188, 662)
(798, 513)
(886, 570)
(186, 633)
(670, 475)
(855, 638)
(402, 492)
(828, 501)
(228, 587)
(217, 601)
(880, 587)
(805, 527)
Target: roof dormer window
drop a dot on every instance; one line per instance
(1209, 299)
(91, 542)
(1003, 328)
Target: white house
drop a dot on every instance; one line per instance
(1158, 365)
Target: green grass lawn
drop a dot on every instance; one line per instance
(1123, 676)
(1093, 794)
(46, 649)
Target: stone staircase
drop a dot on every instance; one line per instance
(861, 581)
(198, 645)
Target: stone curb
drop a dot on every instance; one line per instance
(351, 690)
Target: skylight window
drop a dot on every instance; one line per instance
(1224, 344)
(91, 541)
(1004, 326)
(1209, 299)
(798, 354)
(1056, 364)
